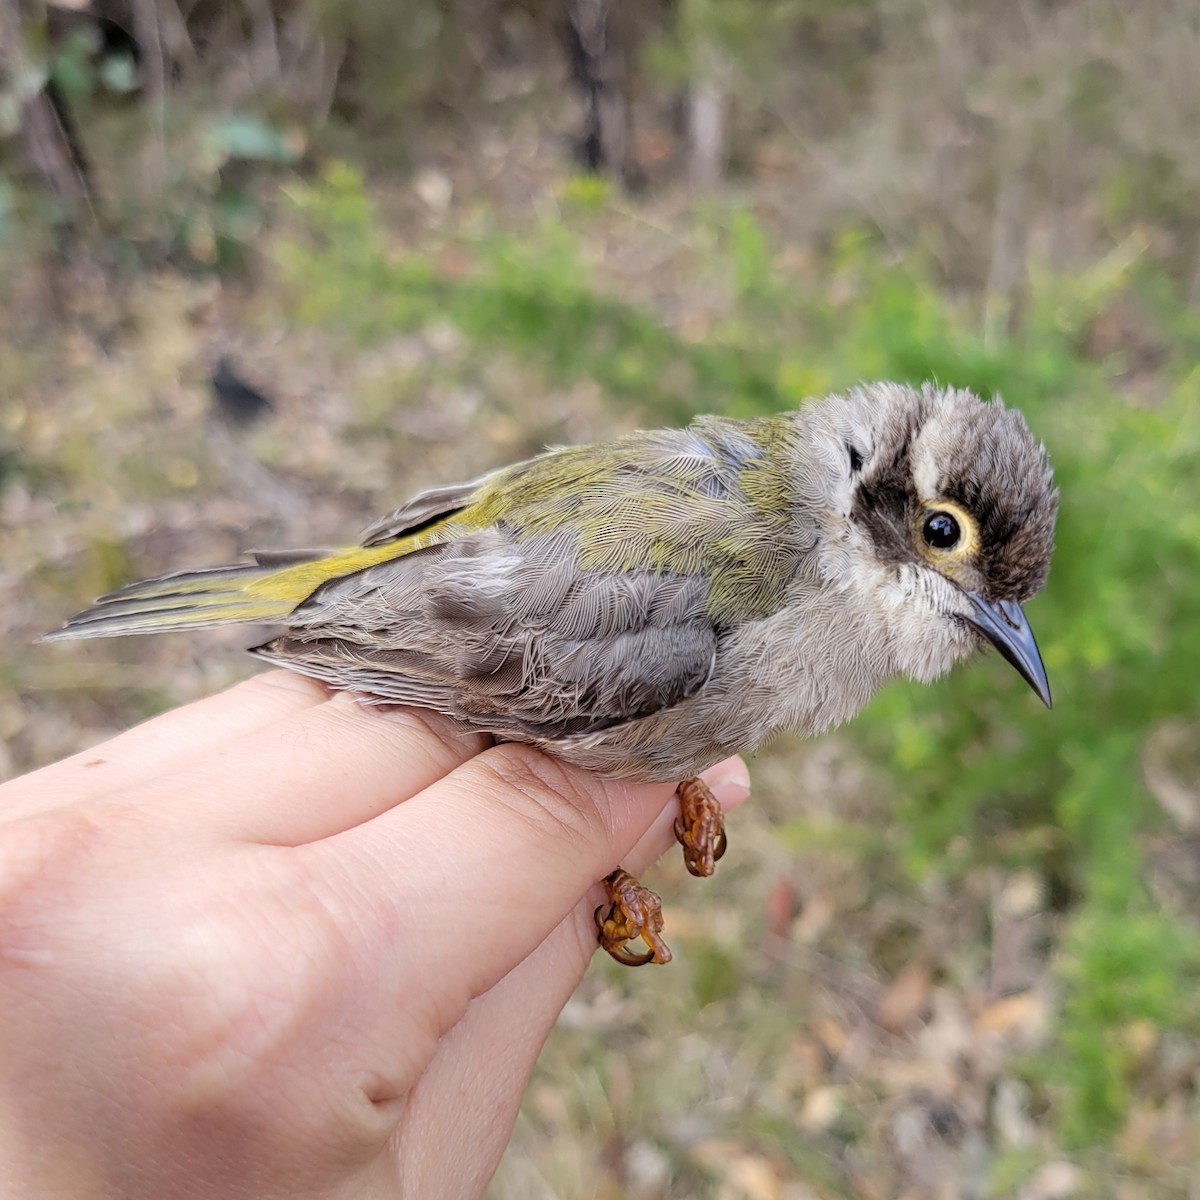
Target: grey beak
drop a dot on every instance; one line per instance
(1004, 625)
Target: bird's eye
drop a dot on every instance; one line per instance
(941, 531)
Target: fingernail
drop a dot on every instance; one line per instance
(729, 781)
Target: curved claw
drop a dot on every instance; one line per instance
(634, 912)
(622, 953)
(700, 827)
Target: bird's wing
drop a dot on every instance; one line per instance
(716, 500)
(421, 510)
(572, 592)
(509, 636)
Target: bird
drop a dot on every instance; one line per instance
(647, 606)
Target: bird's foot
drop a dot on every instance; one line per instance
(634, 911)
(700, 827)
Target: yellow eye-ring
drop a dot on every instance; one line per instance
(948, 530)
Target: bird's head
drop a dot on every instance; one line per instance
(955, 499)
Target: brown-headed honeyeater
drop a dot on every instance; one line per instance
(647, 606)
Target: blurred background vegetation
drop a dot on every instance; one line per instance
(954, 951)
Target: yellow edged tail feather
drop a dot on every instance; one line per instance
(263, 591)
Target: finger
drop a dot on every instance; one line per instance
(319, 772)
(458, 1119)
(163, 744)
(522, 840)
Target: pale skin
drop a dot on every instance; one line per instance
(273, 944)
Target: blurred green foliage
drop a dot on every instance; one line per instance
(975, 755)
(532, 297)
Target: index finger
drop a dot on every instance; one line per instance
(479, 867)
(164, 744)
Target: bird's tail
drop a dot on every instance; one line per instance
(263, 591)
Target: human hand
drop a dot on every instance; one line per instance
(274, 944)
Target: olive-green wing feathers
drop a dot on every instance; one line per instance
(583, 588)
(561, 595)
(421, 511)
